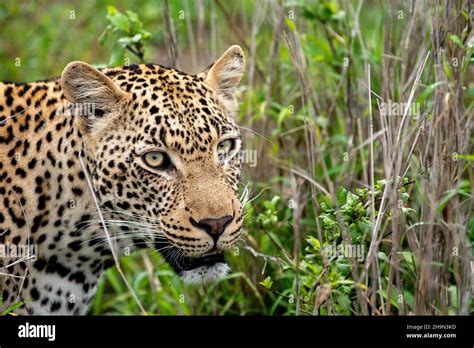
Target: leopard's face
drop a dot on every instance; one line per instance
(164, 153)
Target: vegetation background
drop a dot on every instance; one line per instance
(360, 115)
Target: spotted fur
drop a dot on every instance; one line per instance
(109, 119)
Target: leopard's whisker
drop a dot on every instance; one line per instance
(142, 217)
(116, 237)
(127, 234)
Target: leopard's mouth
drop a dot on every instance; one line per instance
(189, 263)
(203, 269)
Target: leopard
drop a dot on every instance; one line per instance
(103, 162)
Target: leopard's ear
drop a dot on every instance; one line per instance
(225, 74)
(83, 84)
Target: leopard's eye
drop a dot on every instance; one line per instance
(225, 147)
(157, 160)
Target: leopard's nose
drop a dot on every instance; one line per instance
(213, 227)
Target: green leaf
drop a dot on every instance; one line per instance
(117, 55)
(341, 196)
(119, 21)
(125, 41)
(290, 24)
(339, 15)
(267, 283)
(456, 40)
(133, 16)
(314, 242)
(111, 10)
(408, 297)
(408, 211)
(453, 192)
(352, 198)
(104, 35)
(364, 226)
(344, 302)
(382, 256)
(146, 34)
(429, 91)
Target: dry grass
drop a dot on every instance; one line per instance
(422, 148)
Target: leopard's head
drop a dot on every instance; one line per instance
(163, 151)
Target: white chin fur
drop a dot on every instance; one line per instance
(205, 274)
